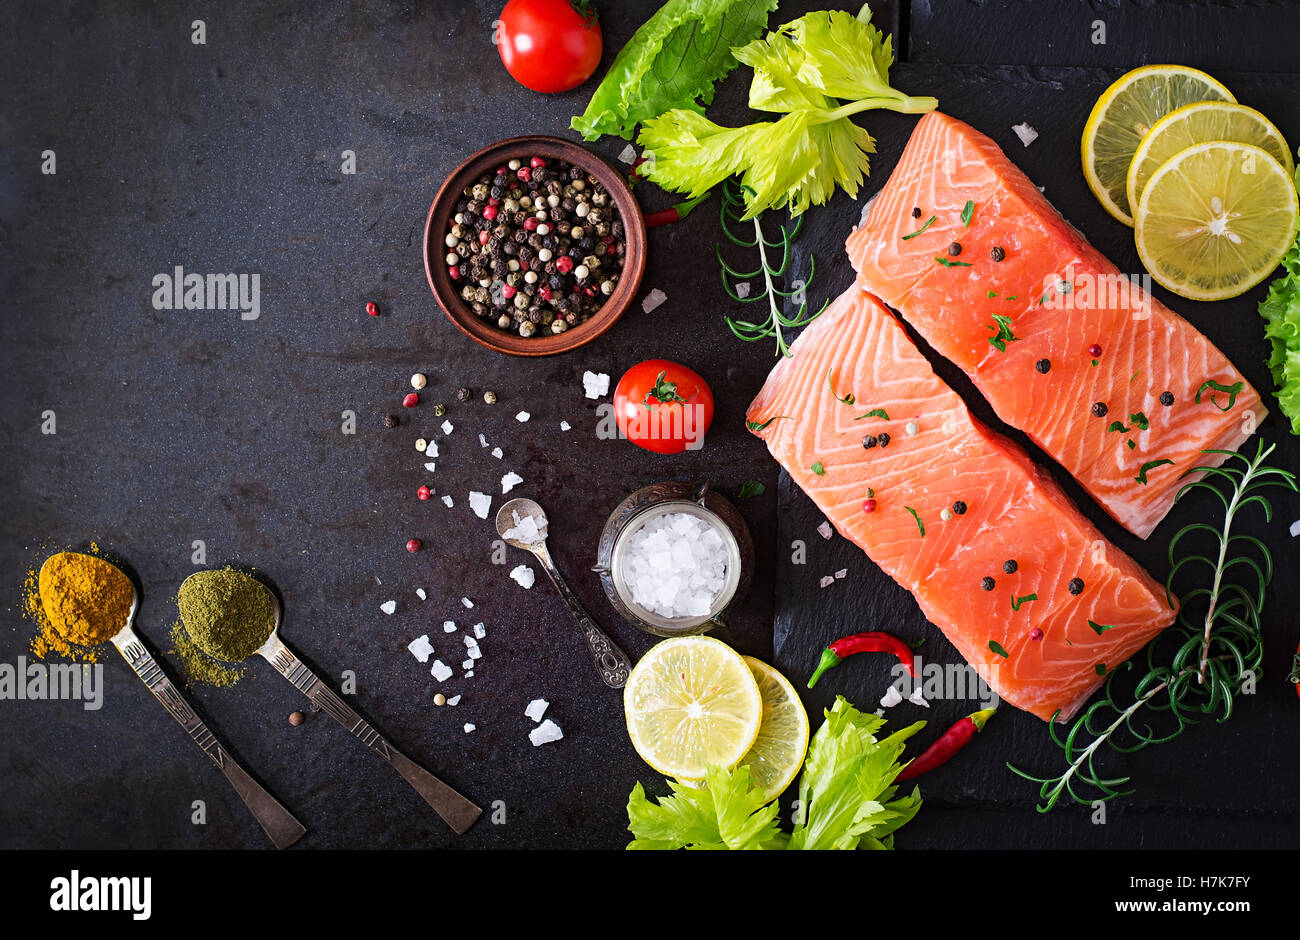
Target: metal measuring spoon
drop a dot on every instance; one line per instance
(278, 823)
(611, 662)
(456, 811)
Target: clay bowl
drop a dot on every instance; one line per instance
(446, 291)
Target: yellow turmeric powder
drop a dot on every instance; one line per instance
(83, 602)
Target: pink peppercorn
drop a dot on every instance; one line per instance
(564, 264)
(1035, 634)
(423, 493)
(535, 162)
(508, 291)
(530, 223)
(414, 545)
(454, 272)
(489, 212)
(411, 400)
(372, 308)
(868, 505)
(524, 174)
(1094, 350)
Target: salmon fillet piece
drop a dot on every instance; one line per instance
(1061, 296)
(1013, 511)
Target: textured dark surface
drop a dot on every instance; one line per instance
(182, 425)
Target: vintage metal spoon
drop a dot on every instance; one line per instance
(611, 662)
(456, 811)
(278, 823)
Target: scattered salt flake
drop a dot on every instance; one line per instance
(595, 384)
(627, 154)
(431, 466)
(916, 698)
(469, 604)
(827, 581)
(565, 426)
(467, 664)
(440, 671)
(825, 530)
(420, 648)
(892, 697)
(1295, 528)
(1026, 133)
(469, 674)
(469, 640)
(454, 700)
(522, 417)
(653, 300)
(431, 450)
(841, 574)
(497, 453)
(480, 503)
(545, 733)
(536, 709)
(449, 626)
(510, 481)
(475, 653)
(469, 727)
(448, 427)
(449, 502)
(524, 576)
(742, 289)
(388, 606)
(480, 631)
(419, 592)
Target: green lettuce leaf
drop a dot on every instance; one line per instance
(671, 62)
(1280, 309)
(727, 812)
(845, 792)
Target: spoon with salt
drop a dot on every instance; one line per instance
(522, 524)
(278, 823)
(455, 810)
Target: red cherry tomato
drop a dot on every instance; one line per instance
(663, 407)
(549, 45)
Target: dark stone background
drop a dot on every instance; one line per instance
(182, 425)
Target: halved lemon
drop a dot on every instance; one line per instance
(782, 741)
(1216, 219)
(1124, 114)
(1198, 124)
(690, 702)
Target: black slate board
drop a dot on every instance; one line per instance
(1217, 786)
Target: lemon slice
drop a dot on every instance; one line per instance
(1216, 219)
(782, 740)
(690, 702)
(1124, 114)
(1197, 124)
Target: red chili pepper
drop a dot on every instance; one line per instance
(675, 213)
(847, 646)
(942, 750)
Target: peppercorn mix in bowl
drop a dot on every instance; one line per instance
(534, 246)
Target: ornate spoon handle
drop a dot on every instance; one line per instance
(611, 662)
(278, 823)
(456, 811)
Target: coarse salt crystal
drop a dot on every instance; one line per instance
(449, 626)
(480, 503)
(545, 733)
(1295, 528)
(475, 653)
(469, 640)
(441, 671)
(497, 453)
(675, 566)
(595, 384)
(536, 709)
(454, 700)
(469, 674)
(431, 466)
(510, 481)
(431, 450)
(653, 300)
(522, 417)
(742, 289)
(1026, 133)
(420, 648)
(565, 426)
(917, 699)
(467, 664)
(827, 580)
(841, 574)
(825, 530)
(469, 604)
(627, 154)
(480, 631)
(482, 441)
(524, 576)
(892, 697)
(388, 606)
(447, 427)
(447, 500)
(469, 727)
(419, 592)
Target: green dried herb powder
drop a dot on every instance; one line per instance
(227, 613)
(199, 666)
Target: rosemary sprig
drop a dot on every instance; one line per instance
(1214, 647)
(733, 212)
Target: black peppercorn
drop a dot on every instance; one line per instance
(884, 440)
(390, 421)
(987, 583)
(959, 508)
(916, 212)
(869, 441)
(1099, 409)
(464, 394)
(1075, 586)
(1010, 566)
(997, 254)
(954, 249)
(617, 229)
(575, 173)
(1043, 366)
(1166, 398)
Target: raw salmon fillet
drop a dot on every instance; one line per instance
(1061, 296)
(1013, 511)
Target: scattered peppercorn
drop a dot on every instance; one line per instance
(411, 400)
(954, 249)
(1043, 366)
(1035, 634)
(997, 254)
(1166, 398)
(440, 699)
(1075, 586)
(439, 410)
(945, 514)
(869, 441)
(1094, 350)
(916, 212)
(372, 309)
(419, 380)
(423, 493)
(490, 397)
(959, 508)
(1010, 566)
(390, 421)
(1099, 409)
(421, 444)
(868, 505)
(464, 394)
(883, 440)
(414, 545)
(988, 583)
(296, 718)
